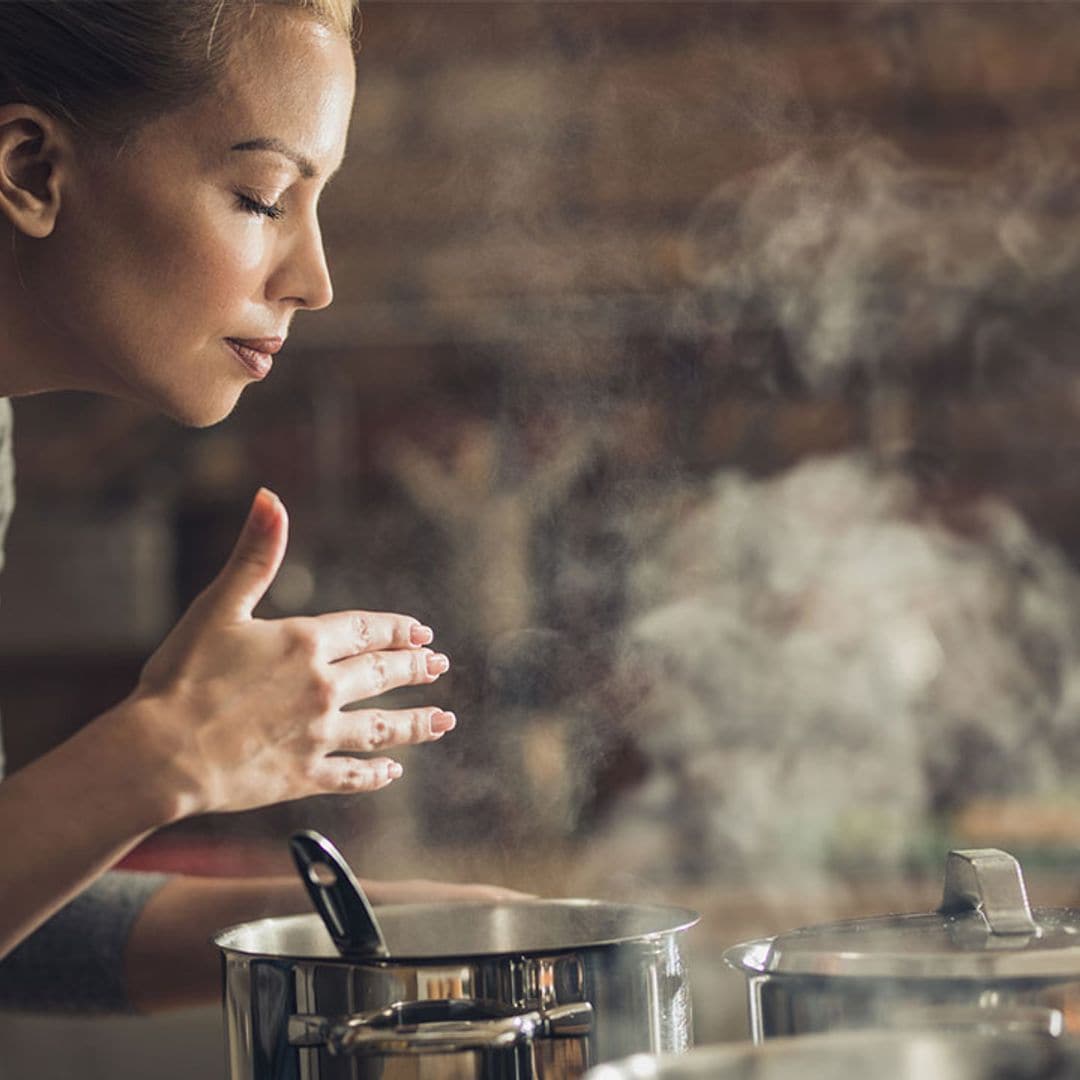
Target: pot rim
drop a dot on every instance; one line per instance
(670, 920)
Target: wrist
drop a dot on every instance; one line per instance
(134, 743)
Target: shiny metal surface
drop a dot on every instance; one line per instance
(430, 931)
(440, 1026)
(984, 930)
(990, 883)
(927, 946)
(982, 960)
(783, 1006)
(864, 1056)
(284, 976)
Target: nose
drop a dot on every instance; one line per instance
(302, 276)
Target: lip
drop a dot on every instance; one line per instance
(256, 354)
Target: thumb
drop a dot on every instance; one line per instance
(254, 561)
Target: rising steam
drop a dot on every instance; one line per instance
(865, 260)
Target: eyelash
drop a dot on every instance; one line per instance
(274, 211)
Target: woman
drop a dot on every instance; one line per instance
(160, 169)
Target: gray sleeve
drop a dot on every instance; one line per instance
(75, 962)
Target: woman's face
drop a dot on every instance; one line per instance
(203, 232)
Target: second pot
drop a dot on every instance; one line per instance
(984, 961)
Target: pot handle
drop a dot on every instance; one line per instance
(408, 1028)
(990, 882)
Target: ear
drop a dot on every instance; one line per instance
(33, 151)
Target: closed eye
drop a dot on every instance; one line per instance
(274, 211)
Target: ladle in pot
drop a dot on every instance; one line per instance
(337, 896)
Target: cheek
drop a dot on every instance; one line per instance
(202, 273)
(186, 270)
(215, 273)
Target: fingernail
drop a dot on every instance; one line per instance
(421, 635)
(442, 722)
(437, 664)
(395, 771)
(262, 514)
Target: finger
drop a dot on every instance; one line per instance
(342, 634)
(254, 561)
(371, 674)
(346, 775)
(365, 730)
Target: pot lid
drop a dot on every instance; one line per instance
(985, 928)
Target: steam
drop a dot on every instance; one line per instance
(830, 668)
(865, 260)
(826, 666)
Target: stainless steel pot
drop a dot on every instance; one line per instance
(983, 960)
(539, 989)
(863, 1055)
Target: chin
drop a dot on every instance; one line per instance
(201, 412)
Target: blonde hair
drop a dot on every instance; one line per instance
(106, 66)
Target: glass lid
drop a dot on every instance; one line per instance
(985, 928)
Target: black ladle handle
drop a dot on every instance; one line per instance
(337, 896)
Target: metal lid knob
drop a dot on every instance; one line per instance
(990, 882)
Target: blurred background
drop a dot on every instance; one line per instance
(704, 374)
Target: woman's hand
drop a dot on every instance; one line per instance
(240, 712)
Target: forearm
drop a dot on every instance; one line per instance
(66, 818)
(170, 961)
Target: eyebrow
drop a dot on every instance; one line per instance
(305, 165)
